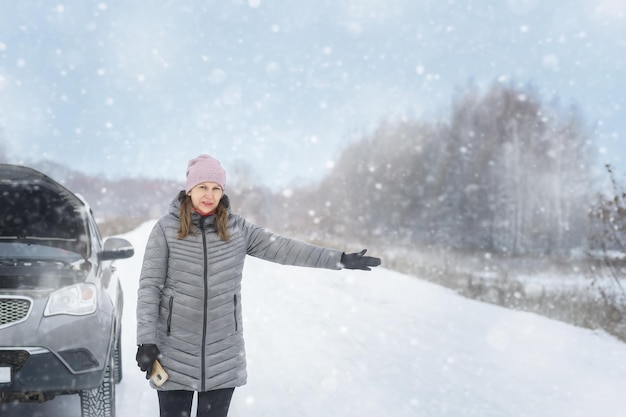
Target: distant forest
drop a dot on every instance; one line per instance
(506, 174)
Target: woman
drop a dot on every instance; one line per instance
(189, 310)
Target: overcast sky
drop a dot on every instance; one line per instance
(139, 87)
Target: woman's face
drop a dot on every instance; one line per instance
(206, 196)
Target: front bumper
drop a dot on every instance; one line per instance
(24, 370)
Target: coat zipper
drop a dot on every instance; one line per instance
(206, 301)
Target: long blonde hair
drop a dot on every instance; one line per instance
(185, 227)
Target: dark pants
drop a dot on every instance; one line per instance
(210, 403)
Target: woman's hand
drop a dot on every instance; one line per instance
(358, 261)
(146, 355)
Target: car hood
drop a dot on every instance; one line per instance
(35, 267)
(35, 209)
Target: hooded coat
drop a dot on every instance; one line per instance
(189, 297)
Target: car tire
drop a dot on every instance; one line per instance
(117, 359)
(100, 402)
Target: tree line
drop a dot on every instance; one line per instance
(506, 174)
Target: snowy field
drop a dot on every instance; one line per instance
(358, 344)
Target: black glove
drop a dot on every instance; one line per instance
(146, 355)
(358, 261)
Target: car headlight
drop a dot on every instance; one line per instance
(76, 300)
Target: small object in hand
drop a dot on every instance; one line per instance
(158, 376)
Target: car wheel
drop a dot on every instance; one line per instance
(100, 402)
(117, 359)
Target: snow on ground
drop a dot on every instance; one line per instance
(358, 344)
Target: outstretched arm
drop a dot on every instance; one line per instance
(266, 245)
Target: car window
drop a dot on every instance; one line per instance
(94, 236)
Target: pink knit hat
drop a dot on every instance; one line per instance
(204, 168)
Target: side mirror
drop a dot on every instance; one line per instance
(116, 248)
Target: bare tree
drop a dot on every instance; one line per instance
(607, 253)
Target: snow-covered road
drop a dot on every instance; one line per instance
(358, 344)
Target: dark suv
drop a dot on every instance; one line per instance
(60, 298)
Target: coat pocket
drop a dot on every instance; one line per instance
(169, 315)
(235, 312)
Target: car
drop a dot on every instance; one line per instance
(61, 301)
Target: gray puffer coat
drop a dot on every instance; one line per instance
(189, 298)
